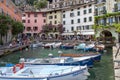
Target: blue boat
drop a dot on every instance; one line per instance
(94, 56)
(82, 61)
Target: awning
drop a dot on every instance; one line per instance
(86, 33)
(67, 33)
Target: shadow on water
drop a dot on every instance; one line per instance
(102, 70)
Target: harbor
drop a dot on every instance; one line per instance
(98, 70)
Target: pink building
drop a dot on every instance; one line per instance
(33, 22)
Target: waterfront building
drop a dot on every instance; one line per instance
(33, 22)
(8, 8)
(107, 13)
(77, 16)
(54, 18)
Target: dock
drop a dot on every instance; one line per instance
(116, 61)
(7, 49)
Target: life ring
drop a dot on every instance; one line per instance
(21, 65)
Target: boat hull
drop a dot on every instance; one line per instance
(76, 75)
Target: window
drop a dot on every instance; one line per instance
(87, 27)
(23, 21)
(44, 15)
(63, 11)
(85, 19)
(72, 21)
(35, 28)
(84, 6)
(28, 29)
(63, 15)
(55, 22)
(50, 22)
(44, 21)
(71, 9)
(78, 13)
(63, 22)
(24, 15)
(35, 20)
(35, 15)
(50, 17)
(28, 21)
(72, 28)
(90, 10)
(90, 19)
(55, 16)
(71, 14)
(85, 12)
(28, 15)
(78, 20)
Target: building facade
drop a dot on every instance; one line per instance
(33, 22)
(107, 13)
(8, 8)
(77, 16)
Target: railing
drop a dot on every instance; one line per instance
(60, 72)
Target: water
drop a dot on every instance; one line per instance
(102, 70)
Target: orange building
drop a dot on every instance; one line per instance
(7, 7)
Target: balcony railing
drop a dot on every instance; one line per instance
(100, 1)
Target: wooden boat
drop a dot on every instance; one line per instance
(93, 56)
(44, 72)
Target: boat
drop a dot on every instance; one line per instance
(59, 61)
(44, 72)
(94, 56)
(67, 46)
(85, 47)
(36, 44)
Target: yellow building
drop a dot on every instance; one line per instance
(54, 18)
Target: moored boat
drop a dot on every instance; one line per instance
(45, 72)
(59, 61)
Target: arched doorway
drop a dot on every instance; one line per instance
(106, 37)
(43, 36)
(105, 33)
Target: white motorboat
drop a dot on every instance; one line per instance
(44, 72)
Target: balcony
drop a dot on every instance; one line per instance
(99, 2)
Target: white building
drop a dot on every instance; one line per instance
(79, 19)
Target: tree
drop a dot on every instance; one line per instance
(17, 27)
(5, 22)
(40, 4)
(117, 26)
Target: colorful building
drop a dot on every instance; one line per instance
(33, 22)
(8, 8)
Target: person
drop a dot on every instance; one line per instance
(10, 45)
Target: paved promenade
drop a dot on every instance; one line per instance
(116, 61)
